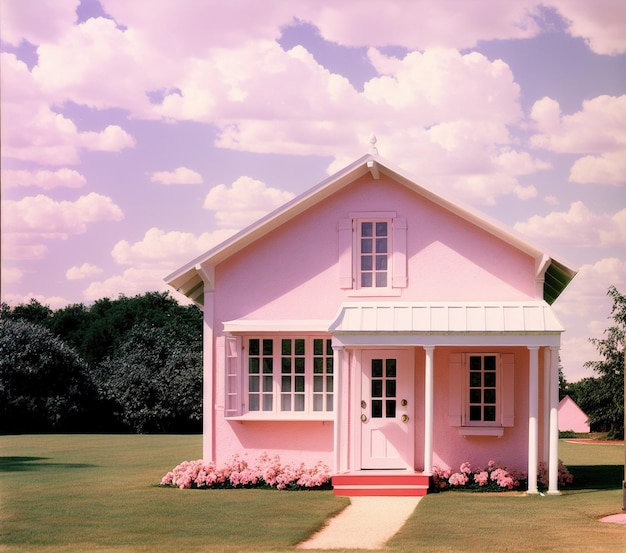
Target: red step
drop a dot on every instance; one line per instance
(377, 483)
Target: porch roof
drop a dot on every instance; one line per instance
(527, 317)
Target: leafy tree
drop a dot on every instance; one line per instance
(33, 312)
(155, 379)
(603, 400)
(43, 382)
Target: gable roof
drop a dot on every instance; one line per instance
(192, 278)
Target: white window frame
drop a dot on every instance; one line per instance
(468, 390)
(374, 254)
(314, 394)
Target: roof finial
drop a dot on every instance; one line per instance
(373, 141)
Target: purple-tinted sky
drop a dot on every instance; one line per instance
(136, 135)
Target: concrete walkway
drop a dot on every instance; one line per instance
(367, 523)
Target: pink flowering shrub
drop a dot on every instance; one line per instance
(493, 477)
(266, 471)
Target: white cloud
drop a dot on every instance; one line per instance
(578, 226)
(112, 139)
(53, 302)
(46, 217)
(36, 20)
(609, 168)
(86, 270)
(180, 175)
(246, 201)
(11, 275)
(68, 178)
(166, 249)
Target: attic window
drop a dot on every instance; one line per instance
(372, 253)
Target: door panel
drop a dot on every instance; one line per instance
(386, 409)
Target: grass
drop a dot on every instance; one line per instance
(98, 493)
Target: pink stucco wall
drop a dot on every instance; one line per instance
(292, 274)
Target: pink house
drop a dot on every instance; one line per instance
(382, 329)
(572, 417)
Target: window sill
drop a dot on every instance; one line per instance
(481, 431)
(375, 292)
(293, 417)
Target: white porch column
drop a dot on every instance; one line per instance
(533, 413)
(428, 410)
(208, 401)
(545, 407)
(338, 407)
(553, 463)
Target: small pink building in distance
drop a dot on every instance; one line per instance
(382, 329)
(572, 417)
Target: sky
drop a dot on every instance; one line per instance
(135, 135)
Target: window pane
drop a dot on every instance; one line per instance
(268, 403)
(285, 365)
(475, 363)
(300, 365)
(474, 413)
(318, 347)
(390, 365)
(268, 347)
(377, 409)
(381, 229)
(253, 403)
(329, 365)
(490, 379)
(299, 384)
(253, 384)
(318, 403)
(381, 245)
(490, 413)
(367, 229)
(285, 402)
(390, 408)
(475, 396)
(390, 388)
(475, 380)
(285, 347)
(285, 384)
(299, 403)
(490, 363)
(267, 384)
(366, 263)
(318, 365)
(381, 262)
(367, 245)
(329, 347)
(377, 388)
(381, 280)
(318, 384)
(366, 280)
(253, 347)
(329, 402)
(299, 346)
(268, 366)
(329, 384)
(490, 396)
(377, 368)
(253, 366)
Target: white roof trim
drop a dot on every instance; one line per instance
(446, 318)
(260, 325)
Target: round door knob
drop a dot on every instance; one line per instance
(404, 403)
(364, 418)
(363, 404)
(405, 418)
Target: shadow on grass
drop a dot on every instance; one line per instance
(596, 477)
(23, 464)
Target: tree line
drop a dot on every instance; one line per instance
(133, 364)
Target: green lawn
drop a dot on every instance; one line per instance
(98, 493)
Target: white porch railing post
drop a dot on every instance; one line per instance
(338, 406)
(428, 410)
(553, 463)
(533, 413)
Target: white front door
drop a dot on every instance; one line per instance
(387, 409)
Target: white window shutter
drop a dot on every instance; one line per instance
(233, 402)
(398, 261)
(455, 399)
(344, 230)
(508, 389)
